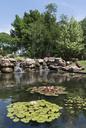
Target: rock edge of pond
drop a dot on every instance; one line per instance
(9, 65)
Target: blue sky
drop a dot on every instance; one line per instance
(9, 8)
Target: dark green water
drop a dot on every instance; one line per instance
(13, 88)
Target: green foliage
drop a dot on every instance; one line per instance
(5, 38)
(40, 111)
(40, 35)
(51, 8)
(83, 24)
(7, 43)
(82, 62)
(37, 32)
(19, 58)
(71, 37)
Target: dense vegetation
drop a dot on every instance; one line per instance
(42, 34)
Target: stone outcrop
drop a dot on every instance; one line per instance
(50, 63)
(72, 68)
(8, 65)
(6, 70)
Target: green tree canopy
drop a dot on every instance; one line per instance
(40, 34)
(71, 37)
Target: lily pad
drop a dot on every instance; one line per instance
(75, 104)
(40, 111)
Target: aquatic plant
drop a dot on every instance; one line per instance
(48, 90)
(75, 104)
(40, 111)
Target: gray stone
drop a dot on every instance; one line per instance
(7, 70)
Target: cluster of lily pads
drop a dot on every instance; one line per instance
(75, 104)
(40, 111)
(48, 90)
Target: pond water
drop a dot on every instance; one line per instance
(13, 88)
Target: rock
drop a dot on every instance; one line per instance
(32, 66)
(46, 59)
(7, 70)
(52, 67)
(6, 66)
(40, 61)
(30, 61)
(51, 59)
(6, 63)
(48, 63)
(68, 63)
(60, 62)
(37, 64)
(12, 60)
(71, 69)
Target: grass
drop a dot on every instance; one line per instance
(83, 64)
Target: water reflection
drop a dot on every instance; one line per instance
(15, 79)
(13, 88)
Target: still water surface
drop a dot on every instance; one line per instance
(13, 88)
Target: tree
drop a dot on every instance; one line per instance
(7, 43)
(36, 32)
(51, 8)
(22, 27)
(51, 32)
(71, 37)
(40, 34)
(83, 25)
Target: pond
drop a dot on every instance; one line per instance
(13, 89)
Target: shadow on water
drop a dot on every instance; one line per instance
(13, 88)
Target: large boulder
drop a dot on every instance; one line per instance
(27, 63)
(72, 68)
(60, 62)
(6, 66)
(40, 61)
(30, 61)
(53, 67)
(49, 59)
(54, 61)
(6, 63)
(12, 60)
(7, 70)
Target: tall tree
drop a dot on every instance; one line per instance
(39, 34)
(51, 8)
(71, 37)
(83, 25)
